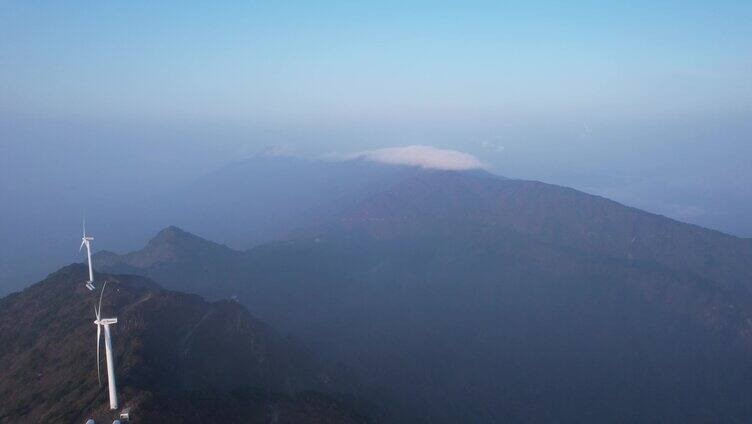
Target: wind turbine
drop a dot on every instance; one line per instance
(86, 241)
(106, 322)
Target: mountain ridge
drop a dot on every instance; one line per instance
(168, 345)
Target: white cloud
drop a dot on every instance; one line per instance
(424, 157)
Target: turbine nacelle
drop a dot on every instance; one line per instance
(85, 241)
(105, 321)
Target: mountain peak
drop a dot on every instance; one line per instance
(175, 243)
(174, 234)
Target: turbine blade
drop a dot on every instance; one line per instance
(99, 311)
(99, 374)
(82, 245)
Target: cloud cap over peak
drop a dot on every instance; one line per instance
(423, 156)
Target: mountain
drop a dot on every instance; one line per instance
(474, 298)
(177, 259)
(179, 359)
(556, 215)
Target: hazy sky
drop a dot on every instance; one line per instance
(647, 102)
(341, 62)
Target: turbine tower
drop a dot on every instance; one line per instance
(86, 241)
(106, 322)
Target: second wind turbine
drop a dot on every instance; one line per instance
(86, 241)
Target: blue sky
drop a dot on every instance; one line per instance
(360, 61)
(649, 103)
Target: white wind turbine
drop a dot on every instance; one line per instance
(86, 241)
(106, 322)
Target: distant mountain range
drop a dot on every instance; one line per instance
(246, 203)
(474, 298)
(179, 359)
(243, 204)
